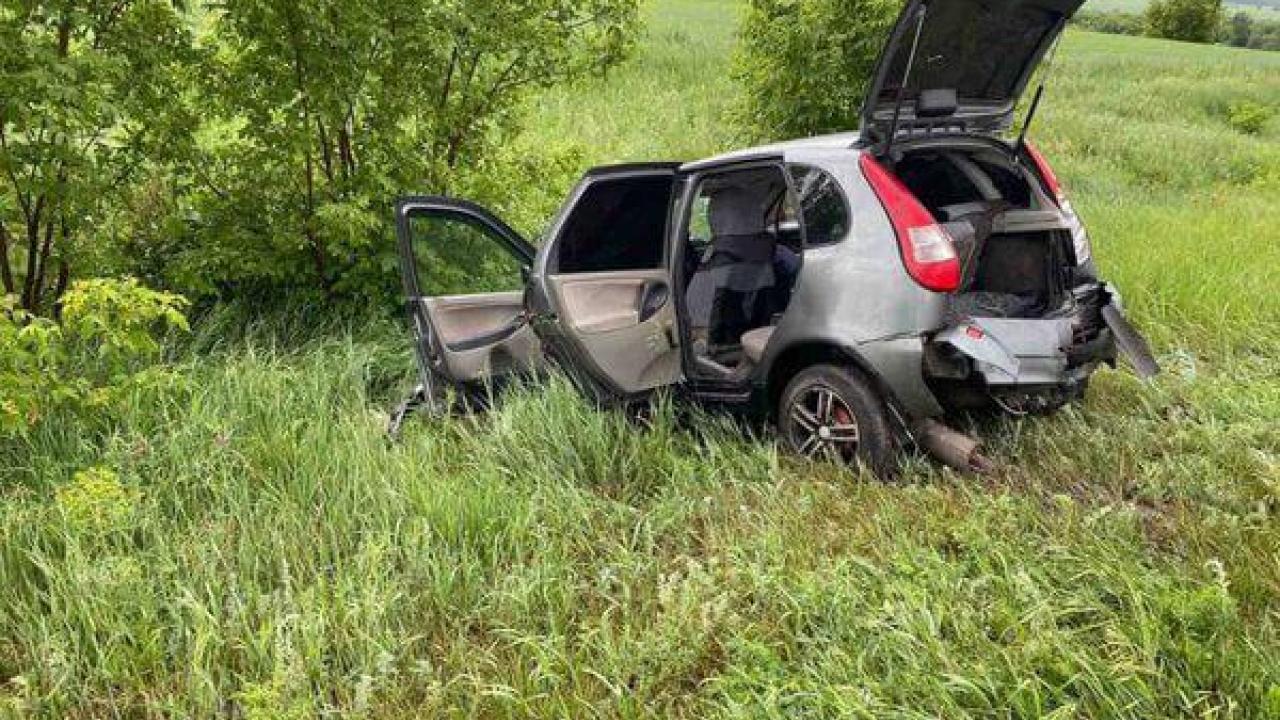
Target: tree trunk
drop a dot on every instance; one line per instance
(6, 270)
(308, 227)
(344, 144)
(326, 153)
(64, 279)
(42, 267)
(33, 255)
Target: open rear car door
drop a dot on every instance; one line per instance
(464, 274)
(602, 298)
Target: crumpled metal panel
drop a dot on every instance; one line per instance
(1014, 351)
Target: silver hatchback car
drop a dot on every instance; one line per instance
(853, 288)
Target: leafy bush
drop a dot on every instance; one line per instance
(1254, 32)
(106, 345)
(96, 501)
(90, 107)
(327, 115)
(1248, 117)
(1114, 23)
(258, 149)
(1189, 20)
(805, 64)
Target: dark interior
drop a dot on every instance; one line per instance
(1005, 274)
(617, 225)
(1016, 275)
(741, 260)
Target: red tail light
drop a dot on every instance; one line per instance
(927, 252)
(1051, 183)
(1079, 238)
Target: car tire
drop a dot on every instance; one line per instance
(833, 412)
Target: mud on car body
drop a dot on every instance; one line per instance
(853, 288)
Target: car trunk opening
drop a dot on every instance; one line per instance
(1013, 242)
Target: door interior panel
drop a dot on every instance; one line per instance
(454, 255)
(602, 305)
(461, 319)
(483, 334)
(612, 316)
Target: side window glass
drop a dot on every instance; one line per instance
(823, 209)
(456, 254)
(699, 224)
(616, 225)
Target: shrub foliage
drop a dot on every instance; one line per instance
(1189, 20)
(261, 150)
(805, 64)
(106, 346)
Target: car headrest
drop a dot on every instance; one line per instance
(735, 210)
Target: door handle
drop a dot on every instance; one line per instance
(653, 298)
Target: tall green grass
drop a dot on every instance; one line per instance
(252, 546)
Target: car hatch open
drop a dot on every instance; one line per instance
(965, 62)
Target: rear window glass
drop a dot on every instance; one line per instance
(823, 209)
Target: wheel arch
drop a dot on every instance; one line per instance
(800, 355)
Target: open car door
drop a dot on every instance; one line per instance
(464, 276)
(602, 297)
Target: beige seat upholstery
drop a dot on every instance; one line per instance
(755, 341)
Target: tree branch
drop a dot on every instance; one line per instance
(24, 199)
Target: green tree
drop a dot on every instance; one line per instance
(1188, 20)
(322, 111)
(1239, 29)
(805, 64)
(88, 95)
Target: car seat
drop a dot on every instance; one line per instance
(738, 266)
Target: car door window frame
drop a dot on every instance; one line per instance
(428, 346)
(407, 207)
(691, 184)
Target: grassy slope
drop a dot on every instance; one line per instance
(551, 560)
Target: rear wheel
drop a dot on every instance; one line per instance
(831, 412)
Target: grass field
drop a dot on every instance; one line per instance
(1268, 10)
(252, 546)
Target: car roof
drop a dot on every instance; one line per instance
(618, 168)
(836, 141)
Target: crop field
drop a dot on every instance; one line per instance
(272, 555)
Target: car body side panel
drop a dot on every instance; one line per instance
(855, 294)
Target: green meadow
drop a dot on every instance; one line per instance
(250, 545)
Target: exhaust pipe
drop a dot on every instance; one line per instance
(952, 447)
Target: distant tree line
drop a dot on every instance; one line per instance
(1200, 21)
(224, 147)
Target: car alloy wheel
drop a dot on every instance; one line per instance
(832, 412)
(823, 425)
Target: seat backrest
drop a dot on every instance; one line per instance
(740, 264)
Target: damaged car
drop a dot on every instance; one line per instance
(853, 288)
